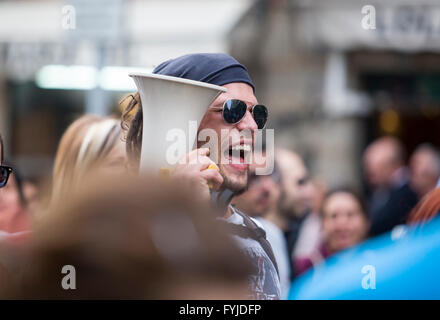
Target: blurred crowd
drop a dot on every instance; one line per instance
(142, 236)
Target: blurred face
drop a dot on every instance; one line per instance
(296, 190)
(317, 193)
(378, 166)
(424, 175)
(9, 198)
(262, 195)
(234, 171)
(343, 222)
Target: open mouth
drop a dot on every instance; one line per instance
(238, 156)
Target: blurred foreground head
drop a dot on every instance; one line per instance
(89, 143)
(382, 158)
(132, 238)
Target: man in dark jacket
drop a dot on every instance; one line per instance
(391, 198)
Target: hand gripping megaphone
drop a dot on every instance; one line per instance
(168, 106)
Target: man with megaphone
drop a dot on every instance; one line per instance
(221, 167)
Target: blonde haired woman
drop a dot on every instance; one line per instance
(90, 143)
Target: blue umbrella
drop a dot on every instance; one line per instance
(382, 268)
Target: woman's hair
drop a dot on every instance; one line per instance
(132, 122)
(348, 190)
(86, 141)
(426, 209)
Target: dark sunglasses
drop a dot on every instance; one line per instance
(4, 175)
(234, 111)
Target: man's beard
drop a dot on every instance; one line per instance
(238, 183)
(288, 209)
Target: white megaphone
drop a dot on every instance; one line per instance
(168, 106)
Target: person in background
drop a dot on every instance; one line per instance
(295, 200)
(14, 214)
(14, 217)
(260, 201)
(90, 143)
(424, 167)
(392, 198)
(15, 220)
(344, 224)
(310, 233)
(130, 238)
(262, 192)
(31, 193)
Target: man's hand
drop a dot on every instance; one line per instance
(193, 171)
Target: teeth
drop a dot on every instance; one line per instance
(242, 147)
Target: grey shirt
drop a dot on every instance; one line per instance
(264, 283)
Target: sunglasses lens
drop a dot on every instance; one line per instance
(234, 110)
(260, 114)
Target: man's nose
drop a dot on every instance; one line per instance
(248, 122)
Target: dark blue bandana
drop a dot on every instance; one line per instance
(214, 68)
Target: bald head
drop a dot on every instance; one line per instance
(294, 182)
(381, 160)
(289, 162)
